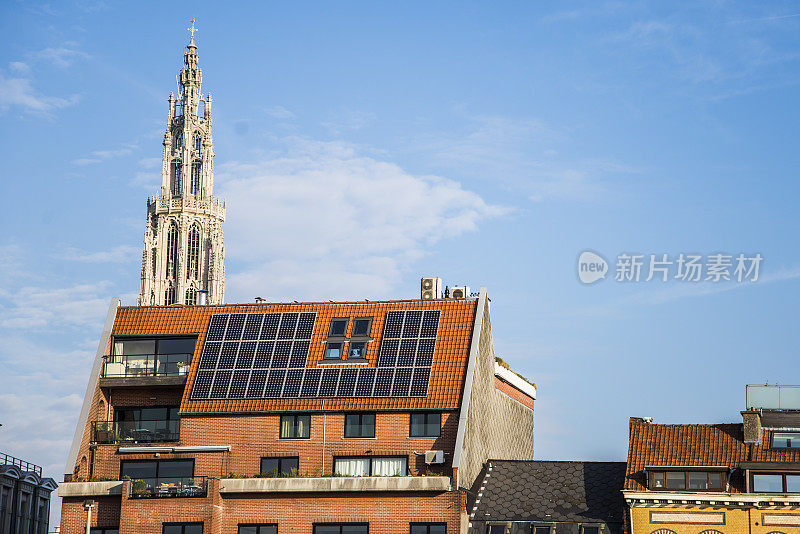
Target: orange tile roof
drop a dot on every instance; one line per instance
(447, 373)
(696, 445)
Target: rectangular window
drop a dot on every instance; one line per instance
(362, 327)
(376, 466)
(426, 425)
(495, 529)
(358, 350)
(541, 530)
(280, 466)
(259, 529)
(590, 530)
(338, 327)
(333, 351)
(785, 440)
(359, 425)
(295, 426)
(104, 530)
(182, 528)
(428, 528)
(768, 483)
(140, 469)
(676, 479)
(691, 480)
(341, 528)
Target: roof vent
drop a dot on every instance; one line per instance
(430, 288)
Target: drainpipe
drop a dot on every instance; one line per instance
(324, 422)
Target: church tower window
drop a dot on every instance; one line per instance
(176, 169)
(169, 296)
(172, 251)
(191, 296)
(179, 141)
(198, 143)
(197, 170)
(193, 263)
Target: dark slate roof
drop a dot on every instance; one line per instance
(551, 491)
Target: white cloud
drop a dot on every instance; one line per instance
(342, 224)
(279, 112)
(20, 67)
(348, 120)
(61, 56)
(32, 307)
(19, 93)
(118, 254)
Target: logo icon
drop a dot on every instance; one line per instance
(591, 267)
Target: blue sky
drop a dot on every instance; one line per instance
(362, 145)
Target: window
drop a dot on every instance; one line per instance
(193, 254)
(687, 480)
(341, 528)
(428, 528)
(280, 465)
(172, 253)
(338, 327)
(358, 350)
(191, 296)
(295, 426)
(179, 140)
(161, 469)
(146, 424)
(590, 530)
(104, 530)
(776, 483)
(197, 170)
(333, 351)
(258, 529)
(182, 528)
(365, 466)
(495, 529)
(540, 530)
(785, 440)
(359, 425)
(198, 142)
(362, 326)
(426, 425)
(176, 170)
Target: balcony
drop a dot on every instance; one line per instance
(145, 369)
(151, 488)
(768, 397)
(436, 484)
(156, 431)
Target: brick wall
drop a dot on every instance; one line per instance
(513, 392)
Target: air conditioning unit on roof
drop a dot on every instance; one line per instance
(430, 288)
(460, 292)
(434, 457)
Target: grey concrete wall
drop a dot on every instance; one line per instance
(497, 426)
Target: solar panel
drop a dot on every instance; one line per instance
(263, 354)
(208, 359)
(239, 384)
(202, 384)
(274, 383)
(288, 325)
(311, 383)
(347, 382)
(299, 354)
(227, 356)
(235, 325)
(366, 379)
(402, 381)
(276, 347)
(270, 327)
(330, 379)
(252, 327)
(216, 328)
(419, 382)
(383, 382)
(305, 326)
(294, 379)
(222, 380)
(256, 387)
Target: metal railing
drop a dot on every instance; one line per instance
(7, 459)
(169, 487)
(150, 431)
(773, 397)
(136, 365)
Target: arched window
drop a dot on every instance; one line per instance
(154, 262)
(172, 253)
(169, 296)
(198, 142)
(191, 296)
(193, 254)
(177, 169)
(179, 141)
(197, 169)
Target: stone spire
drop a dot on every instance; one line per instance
(183, 249)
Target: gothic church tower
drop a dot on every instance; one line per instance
(183, 250)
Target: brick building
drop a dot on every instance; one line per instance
(316, 418)
(719, 478)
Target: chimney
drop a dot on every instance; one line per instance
(751, 420)
(202, 297)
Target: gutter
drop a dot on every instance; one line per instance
(184, 448)
(105, 336)
(467, 395)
